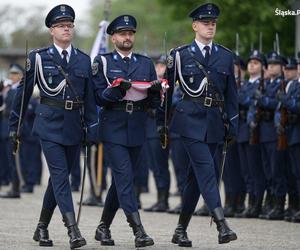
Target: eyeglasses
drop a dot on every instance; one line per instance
(63, 26)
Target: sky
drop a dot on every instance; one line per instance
(80, 6)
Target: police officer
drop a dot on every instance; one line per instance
(249, 151)
(15, 76)
(63, 74)
(158, 157)
(205, 73)
(179, 156)
(234, 184)
(273, 160)
(289, 99)
(123, 121)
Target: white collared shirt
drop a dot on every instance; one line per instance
(201, 47)
(130, 55)
(59, 49)
(252, 80)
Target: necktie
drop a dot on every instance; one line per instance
(126, 60)
(206, 57)
(64, 59)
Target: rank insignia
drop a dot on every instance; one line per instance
(170, 61)
(95, 68)
(126, 19)
(28, 64)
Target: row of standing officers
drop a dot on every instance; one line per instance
(125, 85)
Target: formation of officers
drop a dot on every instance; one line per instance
(206, 105)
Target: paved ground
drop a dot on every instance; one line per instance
(18, 219)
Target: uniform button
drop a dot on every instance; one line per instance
(209, 94)
(129, 79)
(208, 72)
(68, 96)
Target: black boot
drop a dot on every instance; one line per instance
(203, 211)
(162, 204)
(245, 213)
(41, 233)
(225, 233)
(296, 216)
(256, 209)
(277, 213)
(102, 232)
(268, 205)
(180, 235)
(230, 205)
(14, 191)
(76, 240)
(292, 208)
(240, 203)
(141, 238)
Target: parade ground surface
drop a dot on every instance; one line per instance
(18, 219)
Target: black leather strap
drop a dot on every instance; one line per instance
(128, 106)
(64, 104)
(206, 101)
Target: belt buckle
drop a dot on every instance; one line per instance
(129, 107)
(207, 101)
(69, 105)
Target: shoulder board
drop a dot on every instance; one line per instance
(182, 47)
(39, 50)
(81, 52)
(223, 47)
(141, 55)
(105, 54)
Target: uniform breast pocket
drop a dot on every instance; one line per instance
(52, 76)
(80, 74)
(222, 74)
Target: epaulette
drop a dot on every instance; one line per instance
(81, 52)
(105, 54)
(182, 47)
(39, 50)
(141, 55)
(223, 47)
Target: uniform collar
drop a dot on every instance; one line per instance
(201, 46)
(254, 79)
(122, 56)
(59, 49)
